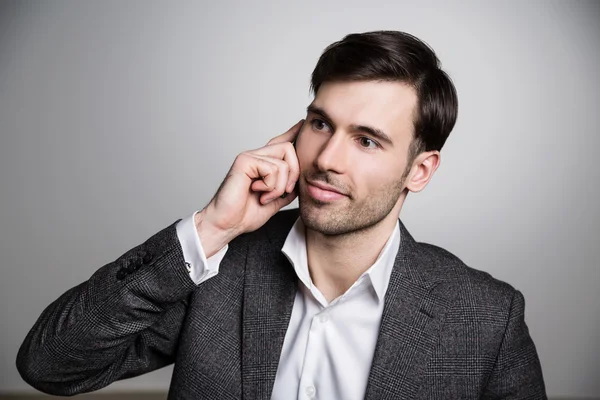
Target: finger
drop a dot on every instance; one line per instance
(259, 185)
(280, 202)
(282, 177)
(257, 168)
(287, 153)
(288, 136)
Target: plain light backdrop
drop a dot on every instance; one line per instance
(119, 117)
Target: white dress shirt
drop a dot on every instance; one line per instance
(328, 347)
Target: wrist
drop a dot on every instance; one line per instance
(211, 236)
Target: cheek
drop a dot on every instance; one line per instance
(307, 149)
(372, 174)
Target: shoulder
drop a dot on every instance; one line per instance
(282, 221)
(274, 231)
(472, 289)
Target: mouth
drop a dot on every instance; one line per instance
(323, 192)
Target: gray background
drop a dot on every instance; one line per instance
(117, 118)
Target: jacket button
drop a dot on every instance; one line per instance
(131, 267)
(146, 257)
(121, 274)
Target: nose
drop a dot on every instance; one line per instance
(332, 155)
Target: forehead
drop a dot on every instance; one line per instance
(388, 106)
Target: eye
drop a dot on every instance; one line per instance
(367, 143)
(318, 124)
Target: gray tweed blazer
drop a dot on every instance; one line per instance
(447, 332)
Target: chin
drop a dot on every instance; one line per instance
(313, 216)
(324, 221)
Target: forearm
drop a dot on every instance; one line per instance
(115, 325)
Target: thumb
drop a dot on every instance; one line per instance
(278, 203)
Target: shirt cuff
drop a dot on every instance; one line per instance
(199, 267)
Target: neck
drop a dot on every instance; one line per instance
(336, 262)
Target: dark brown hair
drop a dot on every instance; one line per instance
(396, 56)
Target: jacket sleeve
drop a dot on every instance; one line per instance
(517, 373)
(122, 322)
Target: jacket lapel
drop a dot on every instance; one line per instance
(413, 313)
(269, 292)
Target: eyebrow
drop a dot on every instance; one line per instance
(375, 132)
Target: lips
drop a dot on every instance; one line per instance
(322, 192)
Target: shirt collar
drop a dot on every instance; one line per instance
(379, 273)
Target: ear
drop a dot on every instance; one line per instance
(422, 170)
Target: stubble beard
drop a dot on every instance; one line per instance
(349, 215)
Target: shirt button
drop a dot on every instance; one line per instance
(324, 317)
(310, 391)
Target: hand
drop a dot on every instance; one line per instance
(251, 193)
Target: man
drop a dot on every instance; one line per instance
(336, 301)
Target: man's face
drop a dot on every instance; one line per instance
(355, 143)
